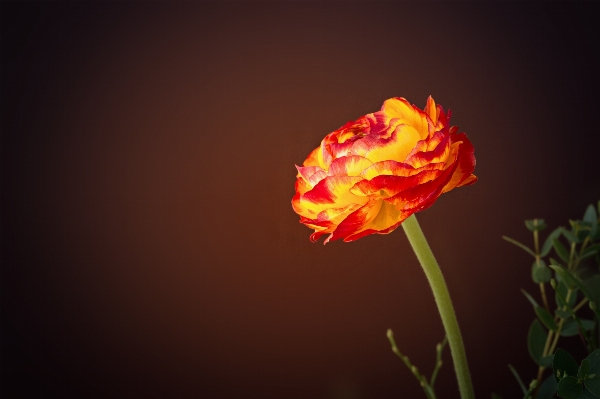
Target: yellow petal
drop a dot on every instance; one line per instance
(388, 216)
(399, 108)
(351, 165)
(395, 148)
(432, 111)
(331, 192)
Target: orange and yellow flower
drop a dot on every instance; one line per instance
(371, 174)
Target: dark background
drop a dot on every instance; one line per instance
(149, 248)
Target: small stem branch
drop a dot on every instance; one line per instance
(519, 380)
(544, 298)
(536, 239)
(557, 336)
(438, 360)
(413, 369)
(562, 320)
(536, 242)
(442, 298)
(580, 304)
(571, 265)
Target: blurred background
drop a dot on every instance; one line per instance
(148, 244)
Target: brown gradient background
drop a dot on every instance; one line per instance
(149, 248)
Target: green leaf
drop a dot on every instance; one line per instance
(563, 291)
(535, 224)
(572, 281)
(555, 262)
(564, 363)
(570, 236)
(569, 388)
(530, 298)
(548, 243)
(584, 369)
(546, 361)
(540, 272)
(587, 254)
(587, 395)
(565, 276)
(591, 248)
(590, 216)
(593, 385)
(594, 360)
(496, 396)
(583, 230)
(560, 249)
(571, 329)
(548, 388)
(518, 244)
(536, 340)
(592, 286)
(546, 318)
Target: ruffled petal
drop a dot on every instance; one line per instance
(431, 110)
(396, 147)
(315, 158)
(398, 107)
(419, 197)
(388, 186)
(356, 221)
(327, 220)
(307, 173)
(433, 151)
(377, 217)
(331, 192)
(302, 186)
(393, 168)
(463, 175)
(351, 165)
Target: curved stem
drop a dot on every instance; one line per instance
(442, 298)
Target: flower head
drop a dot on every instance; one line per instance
(372, 173)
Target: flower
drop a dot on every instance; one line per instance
(372, 173)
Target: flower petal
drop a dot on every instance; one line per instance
(388, 186)
(351, 165)
(393, 168)
(463, 175)
(420, 197)
(356, 221)
(331, 192)
(431, 110)
(306, 172)
(433, 151)
(317, 177)
(376, 217)
(315, 158)
(302, 186)
(327, 220)
(396, 147)
(398, 107)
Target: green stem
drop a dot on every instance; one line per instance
(442, 298)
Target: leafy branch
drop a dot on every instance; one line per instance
(575, 279)
(425, 384)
